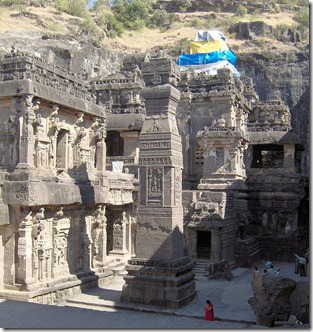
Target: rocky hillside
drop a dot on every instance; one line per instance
(268, 46)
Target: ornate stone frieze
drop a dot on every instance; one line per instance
(28, 67)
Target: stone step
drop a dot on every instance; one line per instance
(200, 268)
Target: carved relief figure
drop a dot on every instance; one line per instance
(155, 180)
(43, 252)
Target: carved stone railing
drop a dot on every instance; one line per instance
(136, 109)
(219, 128)
(260, 128)
(127, 160)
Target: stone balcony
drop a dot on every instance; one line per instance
(129, 164)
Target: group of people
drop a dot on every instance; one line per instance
(269, 269)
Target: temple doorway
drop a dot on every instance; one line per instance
(204, 244)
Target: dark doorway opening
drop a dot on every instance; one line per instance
(114, 143)
(203, 244)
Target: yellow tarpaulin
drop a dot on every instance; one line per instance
(207, 46)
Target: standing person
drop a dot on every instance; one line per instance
(269, 264)
(255, 273)
(301, 263)
(306, 256)
(265, 273)
(209, 311)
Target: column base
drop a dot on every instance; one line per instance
(166, 284)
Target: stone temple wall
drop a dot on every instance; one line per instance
(83, 163)
(57, 236)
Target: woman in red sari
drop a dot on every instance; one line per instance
(209, 311)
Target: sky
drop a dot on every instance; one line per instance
(91, 3)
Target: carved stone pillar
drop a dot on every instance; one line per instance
(129, 222)
(101, 156)
(131, 142)
(100, 236)
(24, 252)
(60, 247)
(289, 156)
(101, 151)
(25, 108)
(104, 236)
(160, 274)
(119, 238)
(44, 254)
(216, 245)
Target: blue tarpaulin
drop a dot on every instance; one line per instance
(204, 58)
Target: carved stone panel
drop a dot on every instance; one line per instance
(155, 186)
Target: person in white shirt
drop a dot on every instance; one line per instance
(301, 263)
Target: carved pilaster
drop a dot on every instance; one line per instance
(99, 134)
(61, 228)
(25, 108)
(120, 237)
(99, 235)
(24, 252)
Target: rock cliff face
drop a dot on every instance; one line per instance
(79, 55)
(277, 75)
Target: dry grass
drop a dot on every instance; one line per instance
(140, 41)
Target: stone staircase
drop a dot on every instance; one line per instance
(200, 267)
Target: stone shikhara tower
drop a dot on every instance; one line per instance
(160, 274)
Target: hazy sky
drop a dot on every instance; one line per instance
(90, 3)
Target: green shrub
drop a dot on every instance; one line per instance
(89, 26)
(303, 3)
(257, 11)
(22, 9)
(54, 26)
(217, 9)
(286, 2)
(171, 18)
(182, 46)
(276, 8)
(183, 5)
(112, 34)
(195, 22)
(9, 3)
(164, 28)
(103, 16)
(260, 42)
(282, 28)
(73, 7)
(303, 18)
(241, 11)
(115, 28)
(133, 15)
(99, 3)
(159, 18)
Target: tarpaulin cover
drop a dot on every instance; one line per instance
(211, 68)
(204, 58)
(208, 46)
(205, 35)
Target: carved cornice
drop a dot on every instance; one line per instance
(22, 66)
